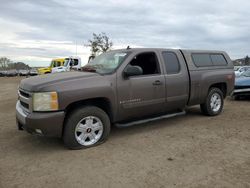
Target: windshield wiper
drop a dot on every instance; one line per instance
(88, 69)
(92, 68)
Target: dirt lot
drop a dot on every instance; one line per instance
(186, 151)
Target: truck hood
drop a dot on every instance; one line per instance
(38, 83)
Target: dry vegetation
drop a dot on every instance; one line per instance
(187, 151)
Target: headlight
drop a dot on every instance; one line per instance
(46, 101)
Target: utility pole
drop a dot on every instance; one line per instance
(76, 48)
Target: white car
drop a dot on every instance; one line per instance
(33, 72)
(239, 70)
(23, 72)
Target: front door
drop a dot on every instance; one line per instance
(143, 95)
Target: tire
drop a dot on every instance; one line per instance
(86, 127)
(214, 102)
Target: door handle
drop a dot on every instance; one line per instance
(157, 83)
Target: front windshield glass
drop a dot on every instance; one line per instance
(52, 63)
(106, 63)
(246, 74)
(66, 62)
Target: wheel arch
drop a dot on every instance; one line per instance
(94, 105)
(100, 102)
(222, 86)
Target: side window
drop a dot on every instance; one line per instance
(218, 59)
(75, 62)
(202, 60)
(171, 62)
(148, 62)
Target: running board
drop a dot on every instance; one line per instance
(149, 119)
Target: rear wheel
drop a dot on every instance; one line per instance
(86, 127)
(214, 102)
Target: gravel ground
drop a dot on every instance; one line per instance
(185, 151)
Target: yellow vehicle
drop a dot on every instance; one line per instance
(54, 63)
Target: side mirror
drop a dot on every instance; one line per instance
(132, 71)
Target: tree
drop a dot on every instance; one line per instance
(18, 66)
(247, 60)
(4, 62)
(99, 44)
(105, 44)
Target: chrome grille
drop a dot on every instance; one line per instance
(27, 95)
(25, 99)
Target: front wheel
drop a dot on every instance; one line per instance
(86, 127)
(214, 102)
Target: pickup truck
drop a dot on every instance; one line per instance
(123, 88)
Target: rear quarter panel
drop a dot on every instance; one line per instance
(202, 78)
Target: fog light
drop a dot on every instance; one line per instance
(39, 131)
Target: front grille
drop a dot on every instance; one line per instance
(25, 99)
(26, 95)
(25, 105)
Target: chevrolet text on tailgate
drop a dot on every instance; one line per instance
(123, 87)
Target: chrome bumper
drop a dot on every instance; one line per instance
(48, 124)
(240, 91)
(21, 115)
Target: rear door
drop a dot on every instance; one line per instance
(176, 78)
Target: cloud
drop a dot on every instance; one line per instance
(42, 30)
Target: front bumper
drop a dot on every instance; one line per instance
(47, 124)
(245, 91)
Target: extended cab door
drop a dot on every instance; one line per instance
(176, 78)
(141, 95)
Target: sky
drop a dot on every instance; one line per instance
(36, 31)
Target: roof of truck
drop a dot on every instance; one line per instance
(186, 50)
(188, 55)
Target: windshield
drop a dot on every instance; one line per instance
(246, 74)
(66, 62)
(55, 63)
(106, 63)
(51, 64)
